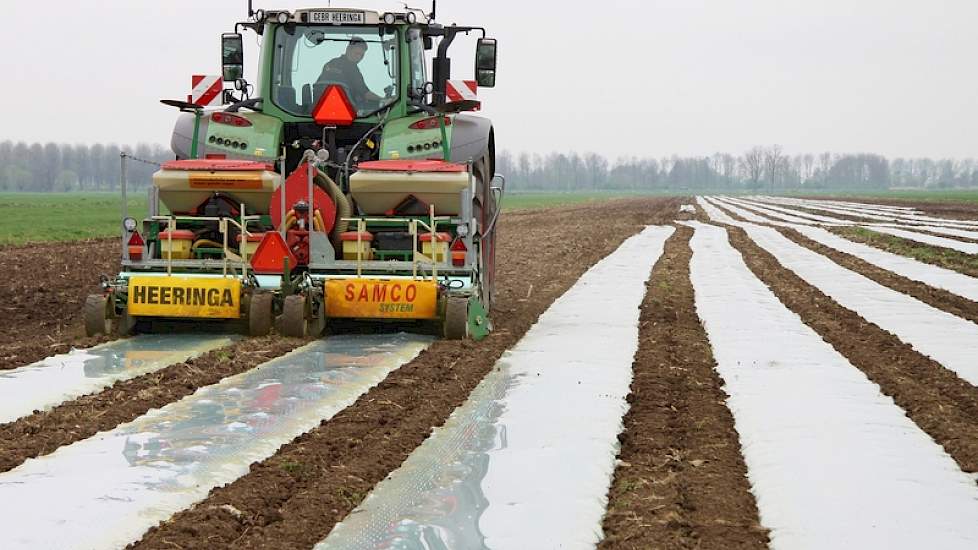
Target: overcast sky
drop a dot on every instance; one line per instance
(649, 78)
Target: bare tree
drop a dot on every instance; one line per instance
(808, 162)
(825, 163)
(773, 157)
(728, 167)
(752, 164)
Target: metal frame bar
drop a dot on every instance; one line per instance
(171, 221)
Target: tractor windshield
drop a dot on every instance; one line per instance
(308, 58)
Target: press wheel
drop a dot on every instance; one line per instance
(260, 314)
(97, 317)
(125, 324)
(293, 322)
(456, 324)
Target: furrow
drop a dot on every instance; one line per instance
(789, 215)
(933, 276)
(966, 264)
(106, 491)
(950, 340)
(57, 379)
(528, 458)
(941, 242)
(941, 403)
(293, 499)
(797, 403)
(912, 218)
(43, 432)
(681, 481)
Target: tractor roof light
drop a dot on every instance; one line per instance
(283, 17)
(411, 18)
(389, 18)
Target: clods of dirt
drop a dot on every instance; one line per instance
(681, 482)
(293, 499)
(41, 296)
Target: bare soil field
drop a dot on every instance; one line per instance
(684, 477)
(941, 257)
(682, 482)
(42, 293)
(952, 210)
(294, 499)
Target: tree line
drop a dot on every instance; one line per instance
(53, 167)
(765, 169)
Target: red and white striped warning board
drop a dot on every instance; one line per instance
(205, 89)
(461, 90)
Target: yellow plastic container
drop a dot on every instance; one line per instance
(180, 240)
(351, 245)
(437, 250)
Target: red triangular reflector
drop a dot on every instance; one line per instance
(271, 253)
(334, 108)
(135, 239)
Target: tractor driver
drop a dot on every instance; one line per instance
(344, 70)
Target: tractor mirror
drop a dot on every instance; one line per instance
(232, 56)
(485, 62)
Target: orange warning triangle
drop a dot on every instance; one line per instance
(271, 253)
(334, 108)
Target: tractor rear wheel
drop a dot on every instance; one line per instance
(260, 314)
(484, 209)
(293, 322)
(456, 324)
(96, 314)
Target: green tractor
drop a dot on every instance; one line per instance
(345, 183)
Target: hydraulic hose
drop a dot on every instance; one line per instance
(343, 207)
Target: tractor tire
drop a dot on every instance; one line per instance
(260, 314)
(483, 209)
(293, 322)
(456, 323)
(96, 314)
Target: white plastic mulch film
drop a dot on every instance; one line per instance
(788, 214)
(832, 462)
(54, 380)
(779, 213)
(745, 214)
(942, 242)
(937, 277)
(932, 275)
(945, 338)
(527, 461)
(106, 491)
(872, 213)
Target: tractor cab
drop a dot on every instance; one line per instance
(353, 179)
